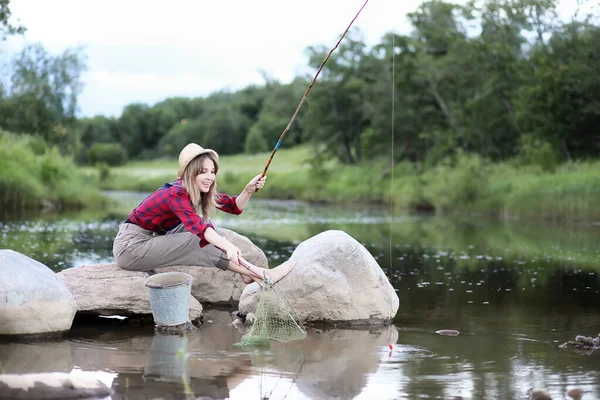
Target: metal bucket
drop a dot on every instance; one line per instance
(169, 294)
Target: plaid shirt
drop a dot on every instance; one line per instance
(171, 205)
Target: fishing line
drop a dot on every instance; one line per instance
(392, 167)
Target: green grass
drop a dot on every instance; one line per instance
(467, 184)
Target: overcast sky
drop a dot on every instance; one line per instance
(148, 50)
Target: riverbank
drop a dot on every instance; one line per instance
(35, 177)
(468, 184)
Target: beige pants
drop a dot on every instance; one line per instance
(137, 249)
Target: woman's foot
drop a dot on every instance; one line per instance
(273, 275)
(276, 274)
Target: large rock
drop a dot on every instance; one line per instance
(335, 280)
(212, 285)
(106, 289)
(33, 300)
(218, 287)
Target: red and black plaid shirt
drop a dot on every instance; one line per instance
(171, 205)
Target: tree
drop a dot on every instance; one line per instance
(277, 109)
(6, 27)
(42, 96)
(341, 109)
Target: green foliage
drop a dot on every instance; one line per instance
(42, 96)
(103, 172)
(184, 132)
(108, 153)
(255, 141)
(457, 183)
(463, 183)
(225, 129)
(29, 178)
(534, 151)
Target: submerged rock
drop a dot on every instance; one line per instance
(33, 300)
(540, 394)
(575, 394)
(335, 280)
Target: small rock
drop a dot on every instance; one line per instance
(584, 339)
(575, 394)
(250, 319)
(237, 323)
(540, 394)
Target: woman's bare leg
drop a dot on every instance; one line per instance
(254, 273)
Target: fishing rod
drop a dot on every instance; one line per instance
(304, 97)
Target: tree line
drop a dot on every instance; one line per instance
(504, 79)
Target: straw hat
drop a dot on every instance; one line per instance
(190, 152)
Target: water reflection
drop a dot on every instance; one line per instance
(168, 359)
(485, 361)
(327, 364)
(514, 290)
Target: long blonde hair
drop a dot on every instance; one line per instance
(205, 204)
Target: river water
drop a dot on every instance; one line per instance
(515, 290)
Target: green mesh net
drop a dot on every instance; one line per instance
(275, 319)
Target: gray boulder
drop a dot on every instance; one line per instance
(105, 289)
(33, 300)
(217, 287)
(335, 280)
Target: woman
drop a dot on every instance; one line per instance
(172, 226)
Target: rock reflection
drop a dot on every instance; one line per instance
(327, 364)
(339, 361)
(133, 386)
(21, 358)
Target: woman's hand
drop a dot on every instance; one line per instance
(255, 183)
(233, 253)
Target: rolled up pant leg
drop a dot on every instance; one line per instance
(137, 249)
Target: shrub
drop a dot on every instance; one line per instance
(535, 151)
(103, 171)
(255, 142)
(110, 153)
(456, 183)
(28, 178)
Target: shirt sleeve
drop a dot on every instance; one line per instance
(227, 203)
(181, 205)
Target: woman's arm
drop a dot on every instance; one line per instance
(233, 253)
(255, 183)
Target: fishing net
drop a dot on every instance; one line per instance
(275, 319)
